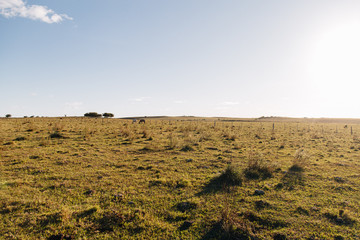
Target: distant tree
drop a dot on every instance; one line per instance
(8, 115)
(107, 115)
(92, 114)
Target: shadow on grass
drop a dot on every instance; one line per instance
(218, 231)
(342, 219)
(241, 226)
(229, 178)
(292, 178)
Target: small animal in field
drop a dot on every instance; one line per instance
(141, 121)
(134, 120)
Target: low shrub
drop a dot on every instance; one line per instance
(258, 168)
(230, 177)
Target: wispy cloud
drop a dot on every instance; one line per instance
(18, 8)
(140, 99)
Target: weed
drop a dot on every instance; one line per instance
(173, 141)
(230, 226)
(258, 168)
(230, 177)
(300, 161)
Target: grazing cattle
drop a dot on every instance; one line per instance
(142, 121)
(134, 120)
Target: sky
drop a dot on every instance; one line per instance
(208, 58)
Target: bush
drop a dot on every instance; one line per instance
(107, 115)
(258, 168)
(92, 114)
(224, 182)
(230, 177)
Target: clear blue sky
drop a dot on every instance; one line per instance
(160, 57)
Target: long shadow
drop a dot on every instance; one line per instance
(218, 232)
(229, 178)
(215, 185)
(293, 178)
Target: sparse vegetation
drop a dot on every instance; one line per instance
(257, 167)
(88, 178)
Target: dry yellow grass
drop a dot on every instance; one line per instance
(81, 178)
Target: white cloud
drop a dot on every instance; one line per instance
(140, 99)
(17, 8)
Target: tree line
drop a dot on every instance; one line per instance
(98, 115)
(89, 114)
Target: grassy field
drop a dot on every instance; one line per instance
(179, 178)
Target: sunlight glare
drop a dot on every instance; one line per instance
(335, 66)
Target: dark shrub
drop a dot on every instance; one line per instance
(92, 114)
(230, 177)
(107, 115)
(56, 135)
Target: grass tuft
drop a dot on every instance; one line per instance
(258, 168)
(300, 161)
(230, 177)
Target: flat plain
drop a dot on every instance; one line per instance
(179, 178)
